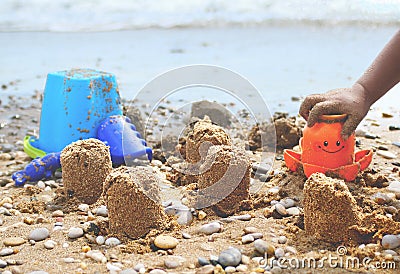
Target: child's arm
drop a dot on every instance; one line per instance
(379, 78)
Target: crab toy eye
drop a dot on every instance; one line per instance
(326, 143)
(338, 143)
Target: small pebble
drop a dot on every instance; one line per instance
(291, 250)
(50, 244)
(69, 260)
(57, 213)
(263, 247)
(96, 256)
(381, 198)
(245, 259)
(139, 266)
(112, 241)
(7, 205)
(83, 207)
(14, 241)
(186, 235)
(250, 229)
(394, 186)
(3, 264)
(201, 215)
(230, 269)
(386, 154)
(210, 228)
(75, 232)
(282, 239)
(203, 261)
(100, 240)
(165, 242)
(101, 211)
(207, 269)
(279, 252)
(248, 238)
(242, 268)
(390, 241)
(293, 211)
(41, 185)
(287, 202)
(112, 268)
(157, 271)
(281, 210)
(171, 263)
(245, 217)
(230, 257)
(6, 251)
(39, 234)
(184, 217)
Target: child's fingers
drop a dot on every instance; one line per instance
(326, 107)
(309, 103)
(350, 125)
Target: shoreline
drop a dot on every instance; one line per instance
(282, 62)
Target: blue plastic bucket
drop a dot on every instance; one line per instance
(74, 104)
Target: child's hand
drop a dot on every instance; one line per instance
(350, 101)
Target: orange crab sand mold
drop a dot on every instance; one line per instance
(324, 150)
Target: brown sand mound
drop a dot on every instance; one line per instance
(132, 198)
(329, 209)
(331, 214)
(85, 166)
(287, 134)
(226, 170)
(204, 135)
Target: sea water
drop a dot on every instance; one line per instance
(285, 48)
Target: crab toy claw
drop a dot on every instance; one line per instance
(324, 150)
(348, 172)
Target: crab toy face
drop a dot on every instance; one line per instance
(323, 145)
(324, 150)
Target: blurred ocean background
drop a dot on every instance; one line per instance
(94, 15)
(285, 48)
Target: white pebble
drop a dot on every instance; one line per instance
(394, 186)
(41, 185)
(386, 154)
(75, 232)
(112, 242)
(83, 207)
(210, 228)
(50, 244)
(102, 211)
(139, 266)
(112, 267)
(69, 260)
(391, 241)
(100, 240)
(247, 239)
(96, 256)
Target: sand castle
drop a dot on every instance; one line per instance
(85, 165)
(331, 214)
(133, 202)
(329, 209)
(204, 135)
(224, 180)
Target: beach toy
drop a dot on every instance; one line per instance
(124, 141)
(79, 104)
(324, 150)
(38, 169)
(74, 104)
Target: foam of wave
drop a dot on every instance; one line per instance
(92, 15)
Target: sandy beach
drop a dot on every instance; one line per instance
(273, 212)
